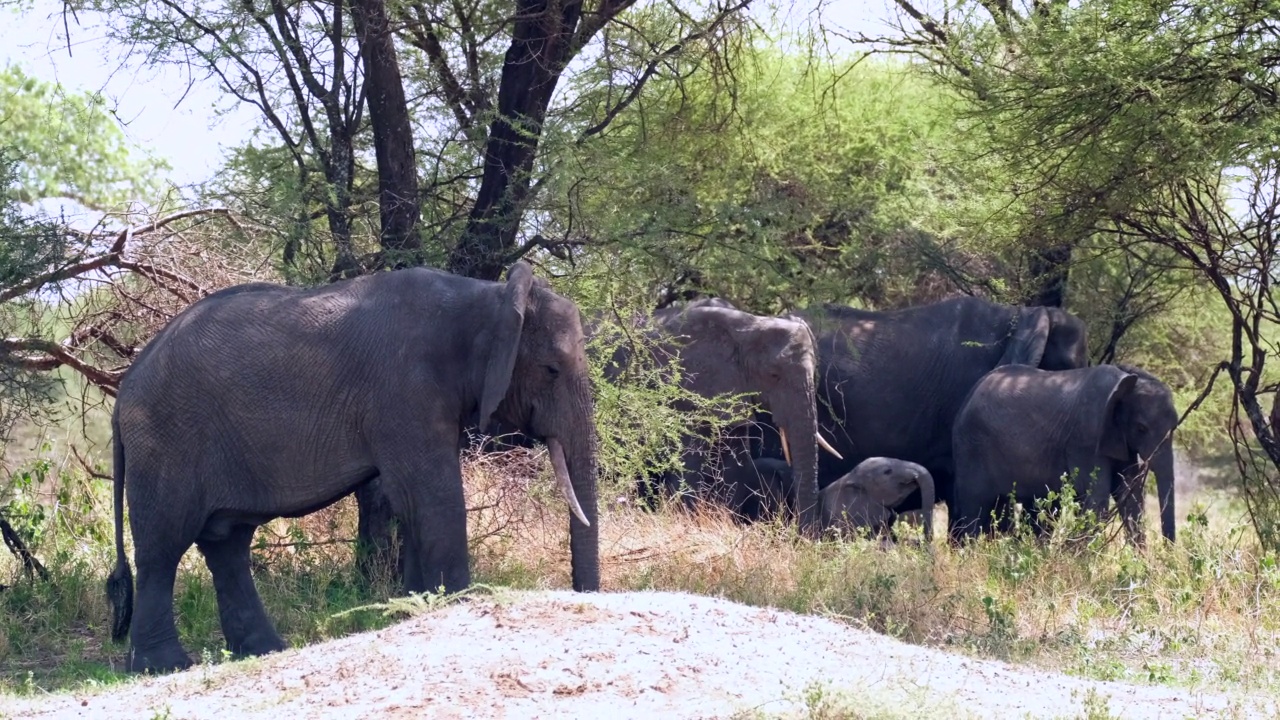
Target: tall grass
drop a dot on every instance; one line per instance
(1204, 611)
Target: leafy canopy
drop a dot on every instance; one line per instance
(68, 145)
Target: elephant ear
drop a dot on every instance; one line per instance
(504, 339)
(1026, 343)
(1112, 441)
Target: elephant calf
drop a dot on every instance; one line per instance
(867, 495)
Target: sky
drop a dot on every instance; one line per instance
(166, 115)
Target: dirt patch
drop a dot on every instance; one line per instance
(616, 655)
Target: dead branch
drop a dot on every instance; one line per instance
(87, 467)
(30, 564)
(50, 355)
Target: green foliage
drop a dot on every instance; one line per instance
(644, 419)
(68, 145)
(1108, 100)
(28, 246)
(806, 184)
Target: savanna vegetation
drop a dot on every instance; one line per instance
(1115, 157)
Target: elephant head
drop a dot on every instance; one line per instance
(725, 350)
(1047, 337)
(536, 379)
(867, 495)
(1138, 435)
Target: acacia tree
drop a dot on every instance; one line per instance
(298, 64)
(967, 42)
(54, 144)
(1149, 128)
(481, 78)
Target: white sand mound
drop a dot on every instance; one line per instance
(616, 655)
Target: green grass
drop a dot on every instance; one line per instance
(1204, 613)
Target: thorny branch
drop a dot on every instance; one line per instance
(104, 341)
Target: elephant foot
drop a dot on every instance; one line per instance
(165, 658)
(258, 643)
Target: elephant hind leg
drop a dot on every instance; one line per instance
(245, 624)
(160, 539)
(153, 639)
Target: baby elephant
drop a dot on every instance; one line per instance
(867, 495)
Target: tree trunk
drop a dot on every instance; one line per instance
(541, 46)
(1049, 269)
(392, 135)
(339, 172)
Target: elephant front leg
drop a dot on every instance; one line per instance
(426, 490)
(245, 624)
(1126, 488)
(1093, 486)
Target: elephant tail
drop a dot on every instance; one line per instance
(120, 582)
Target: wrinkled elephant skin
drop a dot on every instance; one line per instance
(1022, 429)
(264, 401)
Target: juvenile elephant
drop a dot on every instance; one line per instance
(891, 383)
(264, 401)
(723, 350)
(867, 497)
(1022, 429)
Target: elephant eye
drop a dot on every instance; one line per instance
(553, 371)
(888, 471)
(1142, 428)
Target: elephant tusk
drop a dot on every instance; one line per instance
(561, 469)
(786, 451)
(822, 443)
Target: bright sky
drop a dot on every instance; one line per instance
(185, 129)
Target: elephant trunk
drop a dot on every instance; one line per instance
(796, 416)
(1162, 465)
(928, 497)
(578, 449)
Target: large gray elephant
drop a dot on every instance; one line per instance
(264, 401)
(867, 495)
(723, 350)
(1022, 429)
(890, 383)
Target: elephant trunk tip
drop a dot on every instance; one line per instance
(120, 595)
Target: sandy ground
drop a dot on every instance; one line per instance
(622, 655)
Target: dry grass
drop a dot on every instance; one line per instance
(1206, 611)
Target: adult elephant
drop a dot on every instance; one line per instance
(724, 350)
(263, 401)
(1021, 429)
(890, 383)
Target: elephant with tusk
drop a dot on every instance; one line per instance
(891, 382)
(264, 401)
(724, 350)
